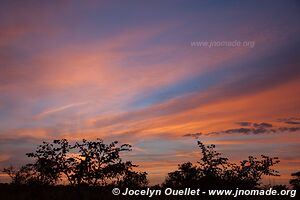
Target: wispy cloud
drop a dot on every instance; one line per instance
(59, 109)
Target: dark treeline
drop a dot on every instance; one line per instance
(93, 168)
(90, 163)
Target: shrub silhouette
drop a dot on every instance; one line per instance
(26, 175)
(214, 171)
(91, 163)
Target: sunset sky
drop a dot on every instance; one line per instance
(128, 71)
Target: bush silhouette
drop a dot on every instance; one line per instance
(26, 175)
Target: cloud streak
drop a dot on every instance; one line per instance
(251, 128)
(60, 109)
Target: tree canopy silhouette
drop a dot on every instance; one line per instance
(84, 163)
(213, 171)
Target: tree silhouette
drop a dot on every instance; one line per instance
(84, 163)
(27, 175)
(214, 171)
(211, 164)
(19, 177)
(98, 163)
(48, 160)
(131, 178)
(251, 171)
(187, 175)
(295, 182)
